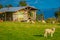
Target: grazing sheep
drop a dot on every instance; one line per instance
(49, 31)
(28, 21)
(32, 22)
(43, 21)
(53, 22)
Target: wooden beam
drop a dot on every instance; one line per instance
(34, 15)
(5, 16)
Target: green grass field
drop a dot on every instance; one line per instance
(27, 31)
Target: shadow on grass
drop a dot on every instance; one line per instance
(58, 24)
(38, 35)
(44, 38)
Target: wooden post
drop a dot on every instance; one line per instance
(34, 15)
(5, 16)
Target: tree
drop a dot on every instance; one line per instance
(23, 3)
(57, 15)
(42, 16)
(1, 6)
(9, 5)
(51, 20)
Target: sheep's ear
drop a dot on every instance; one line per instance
(53, 28)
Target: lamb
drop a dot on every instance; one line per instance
(49, 31)
(32, 22)
(43, 21)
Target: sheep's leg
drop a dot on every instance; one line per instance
(45, 34)
(51, 34)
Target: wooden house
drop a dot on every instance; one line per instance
(18, 13)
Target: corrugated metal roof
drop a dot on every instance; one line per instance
(12, 9)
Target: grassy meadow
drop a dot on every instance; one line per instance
(27, 31)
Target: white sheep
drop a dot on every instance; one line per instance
(43, 21)
(32, 22)
(49, 31)
(28, 21)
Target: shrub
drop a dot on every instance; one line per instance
(51, 20)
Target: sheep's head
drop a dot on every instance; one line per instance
(53, 29)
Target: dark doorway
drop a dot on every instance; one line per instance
(7, 16)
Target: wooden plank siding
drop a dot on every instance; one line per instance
(19, 15)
